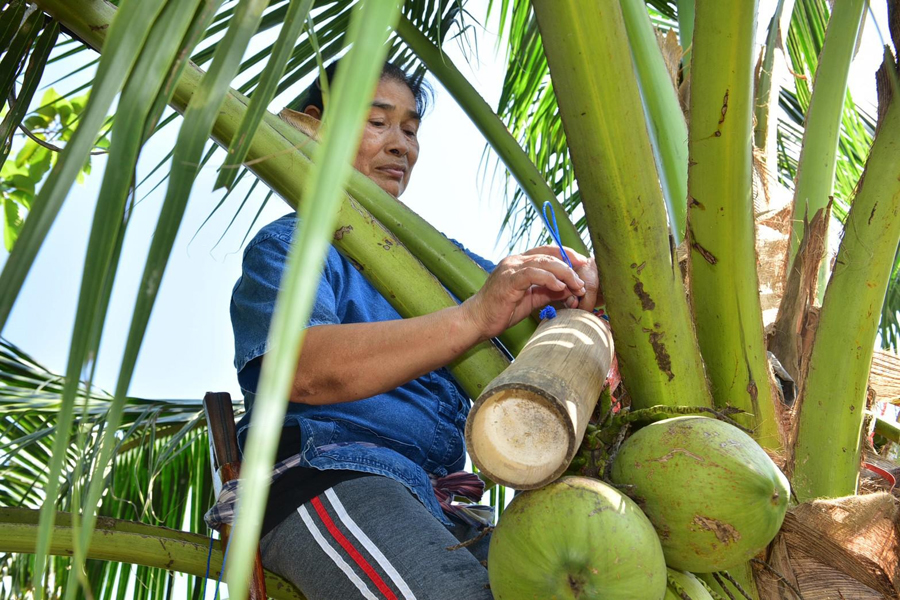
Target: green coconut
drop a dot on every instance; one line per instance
(713, 494)
(575, 538)
(685, 586)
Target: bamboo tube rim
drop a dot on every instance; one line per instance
(505, 437)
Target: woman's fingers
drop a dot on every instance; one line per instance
(558, 269)
(578, 260)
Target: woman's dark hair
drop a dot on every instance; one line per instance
(416, 83)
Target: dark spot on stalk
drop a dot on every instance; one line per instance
(753, 391)
(706, 254)
(872, 215)
(724, 110)
(641, 267)
(339, 234)
(356, 264)
(852, 408)
(388, 242)
(663, 360)
(694, 202)
(99, 27)
(647, 302)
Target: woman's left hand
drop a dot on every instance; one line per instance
(585, 268)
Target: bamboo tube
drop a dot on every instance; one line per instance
(528, 423)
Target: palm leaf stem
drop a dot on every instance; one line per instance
(818, 157)
(665, 119)
(129, 542)
(833, 397)
(600, 106)
(766, 93)
(723, 277)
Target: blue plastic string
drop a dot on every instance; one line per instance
(548, 312)
(554, 231)
(208, 558)
(222, 570)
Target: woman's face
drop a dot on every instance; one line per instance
(389, 147)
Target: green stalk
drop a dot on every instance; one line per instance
(724, 283)
(685, 33)
(815, 175)
(129, 542)
(665, 120)
(889, 430)
(833, 399)
(492, 128)
(600, 105)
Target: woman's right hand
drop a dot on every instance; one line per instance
(521, 284)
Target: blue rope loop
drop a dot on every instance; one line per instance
(548, 312)
(550, 222)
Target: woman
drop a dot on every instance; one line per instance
(375, 422)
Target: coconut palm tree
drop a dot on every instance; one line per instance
(591, 119)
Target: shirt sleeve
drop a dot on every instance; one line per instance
(254, 295)
(480, 261)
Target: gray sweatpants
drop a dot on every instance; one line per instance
(370, 538)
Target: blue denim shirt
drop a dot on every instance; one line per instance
(406, 434)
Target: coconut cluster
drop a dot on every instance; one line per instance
(700, 496)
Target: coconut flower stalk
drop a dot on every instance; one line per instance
(833, 399)
(724, 282)
(601, 109)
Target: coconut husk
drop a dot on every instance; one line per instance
(828, 549)
(799, 296)
(671, 53)
(302, 121)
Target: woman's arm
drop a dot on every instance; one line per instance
(341, 363)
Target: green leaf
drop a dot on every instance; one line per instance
(126, 36)
(12, 222)
(265, 91)
(30, 81)
(12, 61)
(354, 85)
(10, 20)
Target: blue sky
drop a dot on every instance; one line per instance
(188, 348)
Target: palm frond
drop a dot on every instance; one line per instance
(160, 475)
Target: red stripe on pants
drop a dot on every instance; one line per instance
(353, 552)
